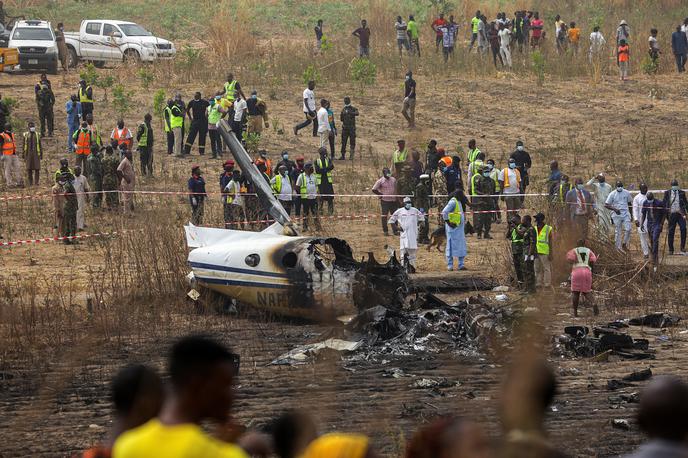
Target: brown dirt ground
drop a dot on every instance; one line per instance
(63, 407)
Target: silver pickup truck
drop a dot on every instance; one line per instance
(101, 41)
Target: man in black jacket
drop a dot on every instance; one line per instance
(676, 209)
(348, 118)
(523, 163)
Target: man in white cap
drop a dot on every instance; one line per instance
(406, 219)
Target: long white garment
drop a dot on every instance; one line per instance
(408, 220)
(638, 202)
(81, 186)
(601, 192)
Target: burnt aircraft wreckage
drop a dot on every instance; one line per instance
(292, 275)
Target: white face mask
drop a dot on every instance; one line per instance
(619, 188)
(512, 165)
(32, 129)
(519, 147)
(407, 206)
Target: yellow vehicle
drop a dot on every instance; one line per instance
(8, 57)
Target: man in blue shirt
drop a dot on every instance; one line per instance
(73, 109)
(453, 175)
(679, 44)
(196, 195)
(653, 212)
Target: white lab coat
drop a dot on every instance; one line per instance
(81, 186)
(408, 220)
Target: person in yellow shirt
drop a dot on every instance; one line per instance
(202, 373)
(574, 37)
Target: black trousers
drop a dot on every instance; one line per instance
(170, 142)
(673, 220)
(199, 128)
(215, 142)
(388, 208)
(46, 116)
(86, 108)
(146, 156)
(297, 205)
(348, 136)
(287, 206)
(308, 121)
(310, 207)
(238, 129)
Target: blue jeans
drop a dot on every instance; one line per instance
(70, 133)
(450, 262)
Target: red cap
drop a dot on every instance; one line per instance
(229, 163)
(440, 150)
(300, 158)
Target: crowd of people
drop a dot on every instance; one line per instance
(154, 418)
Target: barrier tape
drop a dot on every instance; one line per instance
(59, 239)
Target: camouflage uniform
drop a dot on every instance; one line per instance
(71, 206)
(45, 99)
(95, 165)
(405, 185)
(484, 186)
(439, 188)
(110, 181)
(422, 202)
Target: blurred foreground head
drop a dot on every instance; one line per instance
(291, 433)
(449, 437)
(340, 446)
(663, 412)
(137, 394)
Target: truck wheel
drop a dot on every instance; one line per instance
(99, 64)
(72, 58)
(131, 56)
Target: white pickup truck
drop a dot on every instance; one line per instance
(101, 41)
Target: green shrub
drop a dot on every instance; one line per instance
(539, 66)
(159, 102)
(363, 71)
(121, 100)
(251, 142)
(311, 73)
(146, 77)
(89, 74)
(105, 83)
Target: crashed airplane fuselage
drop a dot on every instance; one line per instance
(312, 277)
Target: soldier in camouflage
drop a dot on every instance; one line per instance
(110, 162)
(95, 165)
(423, 202)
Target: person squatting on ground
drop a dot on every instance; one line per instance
(582, 259)
(406, 220)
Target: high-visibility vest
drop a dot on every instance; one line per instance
(121, 138)
(95, 135)
(230, 87)
(542, 244)
(400, 156)
(214, 113)
(143, 141)
(82, 139)
(515, 238)
(38, 142)
(176, 121)
(231, 192)
(562, 194)
(473, 183)
(447, 160)
(582, 257)
(83, 95)
(167, 111)
(277, 185)
(474, 24)
(473, 154)
(506, 177)
(304, 187)
(318, 176)
(455, 216)
(9, 146)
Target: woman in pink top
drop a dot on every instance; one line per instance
(581, 275)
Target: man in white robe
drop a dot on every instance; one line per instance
(407, 219)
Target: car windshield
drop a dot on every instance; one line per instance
(134, 30)
(31, 33)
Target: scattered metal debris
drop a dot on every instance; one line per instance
(656, 320)
(577, 342)
(621, 424)
(301, 355)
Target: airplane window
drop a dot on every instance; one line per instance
(289, 260)
(252, 260)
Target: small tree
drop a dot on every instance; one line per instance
(539, 66)
(105, 83)
(159, 103)
(89, 74)
(121, 100)
(145, 76)
(363, 72)
(251, 142)
(311, 73)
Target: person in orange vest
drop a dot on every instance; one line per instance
(82, 146)
(624, 57)
(121, 135)
(10, 160)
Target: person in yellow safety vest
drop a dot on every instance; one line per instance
(167, 117)
(86, 98)
(514, 233)
(543, 260)
(95, 132)
(564, 187)
(494, 174)
(32, 153)
(454, 223)
(10, 160)
(400, 157)
(473, 166)
(144, 140)
(323, 176)
(282, 188)
(308, 189)
(230, 87)
(82, 141)
(177, 125)
(475, 23)
(473, 151)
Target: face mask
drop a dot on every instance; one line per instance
(486, 174)
(650, 200)
(519, 147)
(490, 166)
(512, 165)
(386, 175)
(674, 188)
(579, 187)
(254, 97)
(284, 174)
(407, 206)
(32, 129)
(408, 77)
(619, 188)
(285, 156)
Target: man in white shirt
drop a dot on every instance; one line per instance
(406, 219)
(620, 202)
(281, 186)
(504, 42)
(638, 202)
(597, 43)
(323, 124)
(238, 122)
(602, 189)
(308, 110)
(307, 187)
(510, 184)
(81, 187)
(233, 203)
(402, 38)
